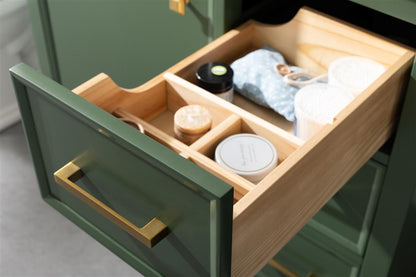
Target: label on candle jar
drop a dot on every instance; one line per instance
(219, 70)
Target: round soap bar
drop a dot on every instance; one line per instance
(250, 156)
(191, 122)
(353, 73)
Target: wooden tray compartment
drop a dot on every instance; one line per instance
(156, 106)
(268, 214)
(239, 121)
(171, 93)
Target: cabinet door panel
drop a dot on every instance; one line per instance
(402, 9)
(130, 40)
(343, 225)
(301, 257)
(348, 216)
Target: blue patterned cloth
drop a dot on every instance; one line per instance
(256, 79)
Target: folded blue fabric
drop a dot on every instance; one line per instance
(255, 78)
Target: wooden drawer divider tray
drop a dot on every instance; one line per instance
(266, 215)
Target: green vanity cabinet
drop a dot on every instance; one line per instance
(131, 40)
(123, 180)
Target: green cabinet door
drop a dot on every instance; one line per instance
(130, 174)
(130, 40)
(303, 258)
(402, 9)
(344, 223)
(334, 240)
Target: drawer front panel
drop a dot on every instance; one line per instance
(402, 9)
(347, 217)
(127, 178)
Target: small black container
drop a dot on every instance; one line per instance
(216, 77)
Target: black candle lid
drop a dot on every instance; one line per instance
(215, 77)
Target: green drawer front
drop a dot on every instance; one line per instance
(346, 219)
(130, 173)
(402, 9)
(304, 258)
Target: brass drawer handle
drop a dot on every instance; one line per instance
(178, 6)
(286, 271)
(149, 235)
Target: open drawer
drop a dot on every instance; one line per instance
(209, 221)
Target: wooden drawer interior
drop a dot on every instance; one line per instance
(268, 214)
(173, 93)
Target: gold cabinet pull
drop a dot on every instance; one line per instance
(149, 235)
(178, 6)
(286, 271)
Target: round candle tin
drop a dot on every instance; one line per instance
(217, 78)
(248, 155)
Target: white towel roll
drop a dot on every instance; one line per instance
(317, 105)
(353, 73)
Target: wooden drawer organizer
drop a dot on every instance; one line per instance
(267, 214)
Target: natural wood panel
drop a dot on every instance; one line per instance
(267, 114)
(313, 41)
(104, 93)
(230, 46)
(152, 131)
(241, 185)
(208, 142)
(284, 142)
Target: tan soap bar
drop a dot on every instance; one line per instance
(191, 122)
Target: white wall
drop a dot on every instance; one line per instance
(16, 45)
